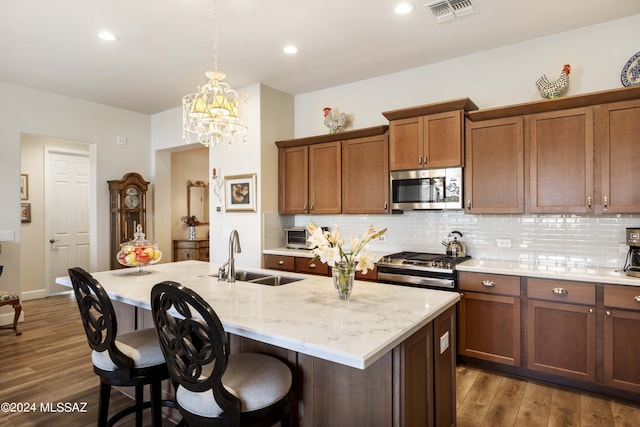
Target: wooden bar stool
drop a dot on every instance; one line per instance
(7, 298)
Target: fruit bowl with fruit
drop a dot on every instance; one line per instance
(138, 252)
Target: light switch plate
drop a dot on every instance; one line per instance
(444, 342)
(7, 236)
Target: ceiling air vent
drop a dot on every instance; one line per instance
(446, 10)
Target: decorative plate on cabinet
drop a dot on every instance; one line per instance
(631, 71)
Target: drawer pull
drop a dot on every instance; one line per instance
(608, 313)
(488, 283)
(560, 291)
(281, 262)
(636, 298)
(591, 310)
(312, 265)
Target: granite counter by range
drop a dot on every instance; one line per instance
(548, 271)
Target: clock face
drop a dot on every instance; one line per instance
(132, 198)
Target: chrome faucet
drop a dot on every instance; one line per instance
(229, 266)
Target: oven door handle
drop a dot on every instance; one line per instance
(416, 280)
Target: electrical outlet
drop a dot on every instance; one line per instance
(503, 243)
(444, 342)
(121, 140)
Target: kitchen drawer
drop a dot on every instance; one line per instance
(279, 262)
(489, 283)
(372, 275)
(562, 291)
(627, 297)
(311, 266)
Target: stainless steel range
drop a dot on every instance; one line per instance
(434, 271)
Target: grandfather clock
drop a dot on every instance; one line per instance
(128, 203)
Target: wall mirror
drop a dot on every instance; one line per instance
(198, 200)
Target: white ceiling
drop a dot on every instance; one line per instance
(166, 46)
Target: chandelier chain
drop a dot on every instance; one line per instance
(215, 35)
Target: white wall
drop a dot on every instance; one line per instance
(270, 114)
(29, 111)
(492, 78)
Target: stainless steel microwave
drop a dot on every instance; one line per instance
(426, 189)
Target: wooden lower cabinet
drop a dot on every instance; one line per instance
(577, 334)
(621, 337)
(412, 385)
(295, 264)
(561, 339)
(561, 332)
(308, 265)
(489, 317)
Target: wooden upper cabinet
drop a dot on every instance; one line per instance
(428, 136)
(293, 180)
(617, 133)
(310, 172)
(494, 166)
(325, 178)
(431, 141)
(365, 175)
(561, 161)
(406, 144)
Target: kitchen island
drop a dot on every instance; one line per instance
(385, 357)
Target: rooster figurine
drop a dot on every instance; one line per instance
(556, 88)
(334, 122)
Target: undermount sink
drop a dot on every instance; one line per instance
(264, 278)
(274, 280)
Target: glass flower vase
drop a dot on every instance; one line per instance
(192, 232)
(343, 275)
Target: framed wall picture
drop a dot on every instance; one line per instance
(24, 186)
(25, 212)
(240, 193)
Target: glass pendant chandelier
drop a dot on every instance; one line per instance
(215, 114)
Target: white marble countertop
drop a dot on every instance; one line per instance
(561, 272)
(305, 316)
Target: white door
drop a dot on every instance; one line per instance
(67, 214)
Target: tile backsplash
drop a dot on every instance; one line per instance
(572, 240)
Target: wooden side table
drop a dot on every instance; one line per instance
(184, 250)
(7, 298)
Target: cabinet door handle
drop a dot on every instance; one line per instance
(560, 291)
(636, 298)
(305, 207)
(589, 203)
(605, 202)
(386, 205)
(281, 262)
(312, 206)
(608, 313)
(591, 310)
(488, 283)
(469, 204)
(420, 160)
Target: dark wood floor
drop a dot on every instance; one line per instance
(50, 363)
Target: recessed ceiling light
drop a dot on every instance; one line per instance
(291, 49)
(108, 36)
(403, 8)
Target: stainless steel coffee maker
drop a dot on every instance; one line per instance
(632, 265)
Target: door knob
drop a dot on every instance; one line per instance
(52, 240)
